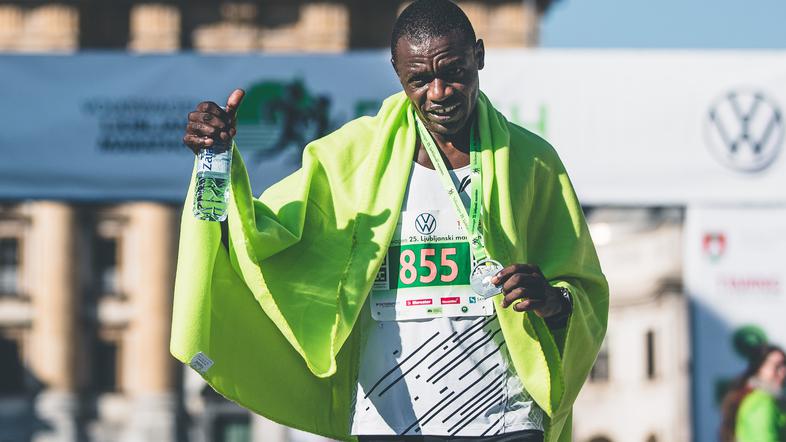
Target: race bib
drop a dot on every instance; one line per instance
(426, 271)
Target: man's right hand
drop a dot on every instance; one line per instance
(210, 125)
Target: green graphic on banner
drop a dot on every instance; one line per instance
(539, 125)
(276, 115)
(434, 264)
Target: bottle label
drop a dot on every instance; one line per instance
(215, 163)
(201, 363)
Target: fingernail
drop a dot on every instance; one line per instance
(495, 280)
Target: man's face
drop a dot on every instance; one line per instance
(440, 77)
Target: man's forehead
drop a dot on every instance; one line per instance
(448, 48)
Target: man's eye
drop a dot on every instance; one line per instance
(456, 72)
(417, 82)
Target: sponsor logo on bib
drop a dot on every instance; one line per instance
(426, 224)
(419, 302)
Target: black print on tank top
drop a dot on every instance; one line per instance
(434, 359)
(464, 183)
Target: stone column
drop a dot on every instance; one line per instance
(512, 24)
(235, 32)
(50, 28)
(53, 291)
(149, 269)
(154, 28)
(11, 25)
(477, 12)
(323, 27)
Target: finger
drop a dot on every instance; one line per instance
(504, 274)
(510, 270)
(202, 129)
(511, 282)
(534, 284)
(211, 107)
(233, 102)
(531, 281)
(526, 305)
(207, 117)
(517, 293)
(196, 143)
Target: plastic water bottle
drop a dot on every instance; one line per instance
(212, 186)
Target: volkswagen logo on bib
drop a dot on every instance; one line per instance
(425, 223)
(745, 130)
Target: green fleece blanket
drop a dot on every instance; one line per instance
(275, 312)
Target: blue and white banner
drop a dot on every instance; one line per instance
(110, 126)
(643, 128)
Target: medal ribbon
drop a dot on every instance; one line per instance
(471, 220)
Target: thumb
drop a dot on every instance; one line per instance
(233, 102)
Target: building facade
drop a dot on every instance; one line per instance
(86, 289)
(639, 389)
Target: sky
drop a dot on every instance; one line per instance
(702, 24)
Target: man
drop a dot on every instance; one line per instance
(372, 265)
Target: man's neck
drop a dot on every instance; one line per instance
(454, 149)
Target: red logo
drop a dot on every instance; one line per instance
(450, 300)
(714, 245)
(418, 302)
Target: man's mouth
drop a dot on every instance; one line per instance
(444, 110)
(444, 113)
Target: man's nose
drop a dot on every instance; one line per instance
(439, 90)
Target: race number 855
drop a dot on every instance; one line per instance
(430, 264)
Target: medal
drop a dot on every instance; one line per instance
(480, 278)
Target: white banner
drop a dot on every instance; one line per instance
(643, 128)
(654, 127)
(735, 274)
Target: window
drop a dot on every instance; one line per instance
(105, 366)
(103, 25)
(105, 265)
(9, 266)
(650, 348)
(232, 428)
(12, 371)
(600, 371)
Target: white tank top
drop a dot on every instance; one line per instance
(433, 359)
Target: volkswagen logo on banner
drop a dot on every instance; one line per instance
(745, 130)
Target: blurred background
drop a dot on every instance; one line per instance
(667, 114)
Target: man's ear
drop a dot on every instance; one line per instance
(393, 63)
(480, 54)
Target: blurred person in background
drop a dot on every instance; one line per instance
(448, 364)
(752, 410)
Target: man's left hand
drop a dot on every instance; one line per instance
(525, 287)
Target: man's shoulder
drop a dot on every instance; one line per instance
(526, 146)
